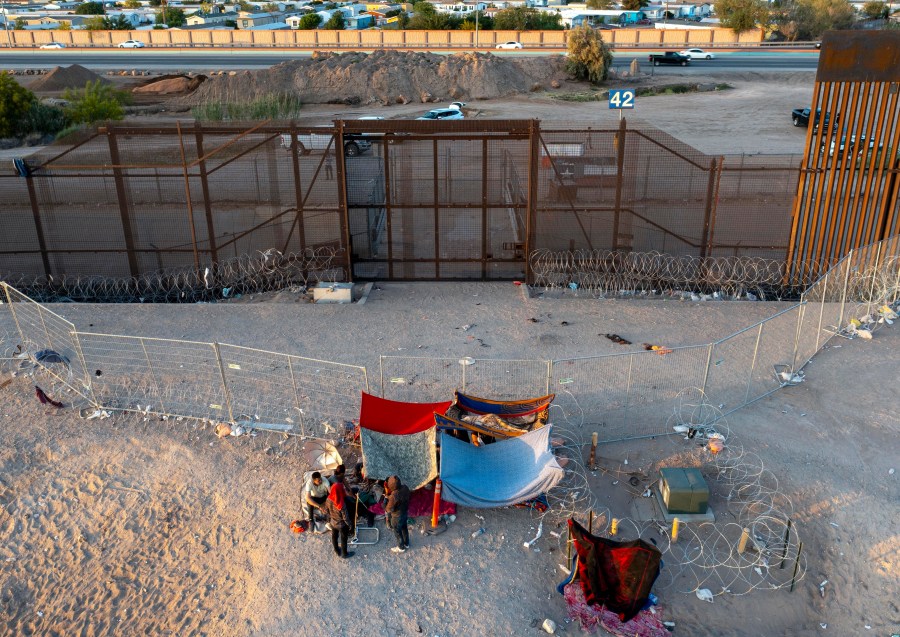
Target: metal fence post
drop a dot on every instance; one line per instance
(463, 376)
(296, 398)
(849, 258)
(366, 378)
(224, 381)
(753, 364)
(821, 311)
(162, 403)
(87, 377)
(874, 274)
(709, 353)
(627, 389)
(381, 372)
(12, 311)
(549, 375)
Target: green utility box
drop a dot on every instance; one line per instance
(683, 490)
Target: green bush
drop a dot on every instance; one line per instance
(96, 102)
(15, 103)
(589, 57)
(275, 106)
(44, 119)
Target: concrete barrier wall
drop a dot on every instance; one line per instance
(376, 39)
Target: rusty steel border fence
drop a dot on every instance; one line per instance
(622, 396)
(407, 199)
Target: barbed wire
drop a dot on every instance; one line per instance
(246, 274)
(705, 554)
(611, 273)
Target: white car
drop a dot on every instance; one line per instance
(131, 44)
(443, 114)
(512, 44)
(457, 105)
(698, 54)
(53, 45)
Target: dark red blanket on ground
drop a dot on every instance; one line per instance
(421, 503)
(618, 575)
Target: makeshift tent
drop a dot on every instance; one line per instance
(399, 439)
(618, 575)
(493, 426)
(505, 408)
(499, 474)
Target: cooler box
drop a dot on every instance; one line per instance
(683, 490)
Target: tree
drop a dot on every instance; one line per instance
(118, 23)
(19, 24)
(206, 7)
(155, 3)
(742, 15)
(485, 22)
(602, 5)
(524, 19)
(64, 26)
(15, 102)
(89, 8)
(310, 21)
(876, 10)
(97, 23)
(426, 17)
(809, 19)
(96, 102)
(132, 4)
(171, 16)
(589, 57)
(243, 5)
(634, 5)
(270, 7)
(403, 20)
(335, 22)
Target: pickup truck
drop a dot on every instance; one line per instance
(670, 57)
(802, 117)
(306, 144)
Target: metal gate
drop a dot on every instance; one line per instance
(439, 200)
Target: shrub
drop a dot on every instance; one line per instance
(96, 102)
(275, 106)
(15, 103)
(44, 119)
(589, 57)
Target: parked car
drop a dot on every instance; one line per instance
(53, 45)
(443, 114)
(457, 105)
(800, 117)
(131, 44)
(698, 54)
(512, 44)
(307, 143)
(849, 145)
(645, 21)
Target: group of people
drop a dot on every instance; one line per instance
(343, 499)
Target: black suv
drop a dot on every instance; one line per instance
(800, 117)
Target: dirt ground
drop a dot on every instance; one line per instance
(131, 525)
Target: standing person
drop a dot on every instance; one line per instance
(341, 519)
(315, 492)
(329, 168)
(396, 510)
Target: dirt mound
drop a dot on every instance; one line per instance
(63, 77)
(170, 85)
(386, 77)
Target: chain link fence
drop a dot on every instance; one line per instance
(621, 396)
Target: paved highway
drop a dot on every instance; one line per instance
(231, 59)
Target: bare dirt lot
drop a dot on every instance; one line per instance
(132, 525)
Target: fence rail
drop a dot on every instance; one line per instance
(627, 395)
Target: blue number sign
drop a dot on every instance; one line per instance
(621, 98)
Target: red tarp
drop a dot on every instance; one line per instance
(421, 503)
(400, 419)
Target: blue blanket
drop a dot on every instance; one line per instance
(499, 474)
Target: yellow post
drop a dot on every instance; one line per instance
(614, 527)
(593, 457)
(675, 524)
(742, 545)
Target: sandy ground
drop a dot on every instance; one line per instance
(138, 526)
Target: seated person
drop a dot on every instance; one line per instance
(366, 491)
(315, 493)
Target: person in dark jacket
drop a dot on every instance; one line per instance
(340, 517)
(396, 510)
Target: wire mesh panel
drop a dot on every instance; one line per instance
(506, 379)
(329, 394)
(123, 377)
(730, 368)
(43, 334)
(592, 391)
(776, 348)
(261, 387)
(420, 379)
(656, 379)
(10, 340)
